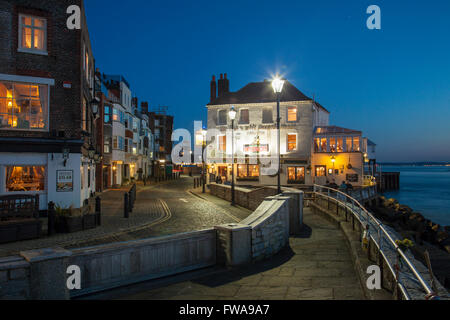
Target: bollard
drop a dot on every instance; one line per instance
(98, 210)
(51, 218)
(125, 206)
(130, 201)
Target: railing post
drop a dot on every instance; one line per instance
(98, 210)
(125, 205)
(51, 218)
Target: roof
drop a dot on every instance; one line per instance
(327, 130)
(262, 92)
(371, 143)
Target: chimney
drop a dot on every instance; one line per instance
(220, 85)
(226, 84)
(213, 89)
(144, 107)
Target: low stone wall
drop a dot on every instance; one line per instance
(14, 278)
(247, 198)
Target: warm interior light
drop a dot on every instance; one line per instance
(277, 85)
(333, 159)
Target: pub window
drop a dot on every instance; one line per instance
(323, 145)
(25, 178)
(267, 115)
(316, 144)
(321, 171)
(348, 144)
(292, 115)
(332, 144)
(292, 141)
(32, 34)
(244, 118)
(23, 106)
(340, 144)
(222, 117)
(356, 144)
(296, 174)
(222, 143)
(248, 171)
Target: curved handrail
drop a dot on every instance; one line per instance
(381, 227)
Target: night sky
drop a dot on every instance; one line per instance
(393, 83)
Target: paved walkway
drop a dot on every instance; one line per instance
(317, 265)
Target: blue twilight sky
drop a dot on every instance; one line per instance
(393, 83)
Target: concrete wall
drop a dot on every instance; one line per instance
(14, 278)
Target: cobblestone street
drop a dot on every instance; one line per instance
(161, 209)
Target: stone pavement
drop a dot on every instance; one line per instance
(316, 265)
(160, 209)
(113, 225)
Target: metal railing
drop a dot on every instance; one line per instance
(382, 239)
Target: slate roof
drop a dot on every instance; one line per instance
(327, 130)
(262, 92)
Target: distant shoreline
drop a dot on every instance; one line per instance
(415, 164)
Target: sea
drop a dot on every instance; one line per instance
(425, 189)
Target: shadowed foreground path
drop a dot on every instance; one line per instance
(317, 265)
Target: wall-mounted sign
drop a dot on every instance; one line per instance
(64, 180)
(254, 148)
(67, 85)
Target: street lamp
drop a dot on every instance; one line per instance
(94, 106)
(277, 85)
(91, 152)
(203, 159)
(232, 115)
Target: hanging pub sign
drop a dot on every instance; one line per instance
(64, 180)
(255, 148)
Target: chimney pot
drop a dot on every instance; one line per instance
(221, 76)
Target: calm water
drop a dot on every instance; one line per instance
(425, 190)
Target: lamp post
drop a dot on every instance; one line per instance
(277, 85)
(232, 115)
(203, 160)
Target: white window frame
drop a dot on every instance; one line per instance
(287, 141)
(44, 28)
(296, 114)
(31, 81)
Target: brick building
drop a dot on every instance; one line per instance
(46, 92)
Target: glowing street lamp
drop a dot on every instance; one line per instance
(232, 115)
(277, 85)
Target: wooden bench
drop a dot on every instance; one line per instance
(19, 218)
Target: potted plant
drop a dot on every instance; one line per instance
(67, 221)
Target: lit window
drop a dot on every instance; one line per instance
(223, 143)
(115, 143)
(348, 144)
(292, 141)
(316, 144)
(340, 144)
(323, 145)
(244, 117)
(32, 34)
(292, 114)
(356, 144)
(106, 146)
(321, 171)
(248, 171)
(23, 106)
(332, 144)
(29, 178)
(83, 115)
(296, 174)
(115, 115)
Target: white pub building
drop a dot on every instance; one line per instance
(308, 149)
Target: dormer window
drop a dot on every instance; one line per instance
(32, 34)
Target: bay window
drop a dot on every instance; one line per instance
(23, 106)
(25, 178)
(32, 34)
